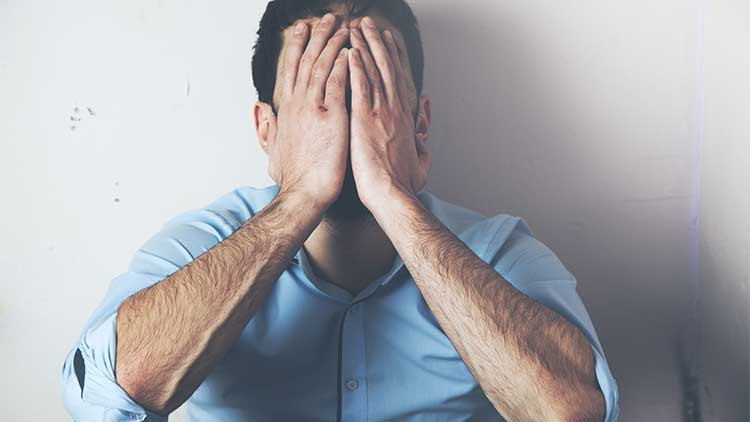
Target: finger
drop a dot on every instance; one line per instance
(390, 46)
(322, 69)
(294, 50)
(401, 91)
(403, 53)
(361, 99)
(318, 41)
(410, 85)
(371, 71)
(336, 85)
(380, 54)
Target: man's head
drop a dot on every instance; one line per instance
(267, 64)
(279, 16)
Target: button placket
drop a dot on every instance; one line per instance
(353, 366)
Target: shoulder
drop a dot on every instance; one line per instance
(502, 240)
(187, 235)
(479, 232)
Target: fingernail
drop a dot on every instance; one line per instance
(328, 17)
(368, 21)
(299, 28)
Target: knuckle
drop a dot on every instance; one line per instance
(298, 39)
(338, 36)
(322, 28)
(363, 101)
(296, 49)
(306, 60)
(356, 63)
(317, 76)
(334, 80)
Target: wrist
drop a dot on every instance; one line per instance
(389, 200)
(304, 200)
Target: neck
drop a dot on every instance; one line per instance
(350, 254)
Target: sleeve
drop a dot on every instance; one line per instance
(89, 389)
(532, 267)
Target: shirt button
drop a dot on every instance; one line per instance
(352, 384)
(353, 309)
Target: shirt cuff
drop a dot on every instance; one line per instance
(608, 386)
(101, 394)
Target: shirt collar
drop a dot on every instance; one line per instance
(301, 260)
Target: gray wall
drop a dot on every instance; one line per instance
(725, 214)
(583, 120)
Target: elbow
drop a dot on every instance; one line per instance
(153, 403)
(151, 396)
(589, 406)
(594, 404)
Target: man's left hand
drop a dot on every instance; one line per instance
(386, 157)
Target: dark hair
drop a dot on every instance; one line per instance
(281, 14)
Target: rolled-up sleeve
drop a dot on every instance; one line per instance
(90, 392)
(534, 269)
(89, 389)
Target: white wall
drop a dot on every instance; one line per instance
(78, 203)
(725, 214)
(582, 118)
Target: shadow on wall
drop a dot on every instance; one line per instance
(724, 331)
(511, 133)
(484, 84)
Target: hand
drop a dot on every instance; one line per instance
(309, 153)
(385, 154)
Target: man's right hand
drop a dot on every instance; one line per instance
(308, 152)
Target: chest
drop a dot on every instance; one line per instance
(304, 356)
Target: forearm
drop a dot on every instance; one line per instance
(170, 335)
(529, 360)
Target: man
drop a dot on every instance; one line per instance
(345, 291)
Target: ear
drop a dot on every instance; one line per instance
(265, 124)
(422, 128)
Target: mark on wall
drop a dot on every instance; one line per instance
(687, 358)
(77, 116)
(117, 197)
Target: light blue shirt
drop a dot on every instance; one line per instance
(313, 350)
